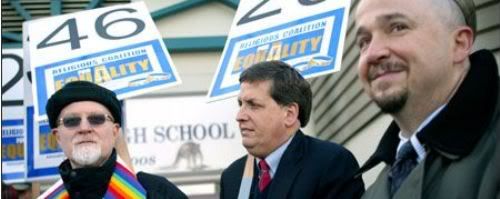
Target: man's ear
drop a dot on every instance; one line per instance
(116, 131)
(292, 114)
(56, 133)
(463, 41)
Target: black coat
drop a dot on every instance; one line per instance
(159, 187)
(309, 168)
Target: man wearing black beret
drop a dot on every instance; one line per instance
(86, 119)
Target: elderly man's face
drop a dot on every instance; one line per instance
(405, 52)
(86, 138)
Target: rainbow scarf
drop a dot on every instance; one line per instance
(123, 184)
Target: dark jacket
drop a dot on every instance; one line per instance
(460, 142)
(159, 187)
(309, 168)
(89, 183)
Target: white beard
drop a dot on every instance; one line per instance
(87, 154)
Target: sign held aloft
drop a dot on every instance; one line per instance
(307, 34)
(116, 47)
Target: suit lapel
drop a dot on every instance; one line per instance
(290, 165)
(379, 189)
(410, 189)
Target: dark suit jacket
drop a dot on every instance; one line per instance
(309, 168)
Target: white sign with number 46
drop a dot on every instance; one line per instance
(116, 47)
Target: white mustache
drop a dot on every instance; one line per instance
(385, 67)
(80, 139)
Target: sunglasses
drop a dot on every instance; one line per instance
(93, 119)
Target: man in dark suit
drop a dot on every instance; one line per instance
(275, 101)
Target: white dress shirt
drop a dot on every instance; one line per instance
(273, 159)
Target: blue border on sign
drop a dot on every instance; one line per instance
(12, 176)
(160, 55)
(338, 14)
(31, 171)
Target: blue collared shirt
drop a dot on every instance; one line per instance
(273, 159)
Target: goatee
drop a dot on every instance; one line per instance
(392, 104)
(87, 155)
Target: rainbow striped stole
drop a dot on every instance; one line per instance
(123, 184)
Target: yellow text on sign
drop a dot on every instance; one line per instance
(103, 73)
(276, 52)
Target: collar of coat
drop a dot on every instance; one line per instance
(455, 131)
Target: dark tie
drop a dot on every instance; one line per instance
(265, 176)
(406, 160)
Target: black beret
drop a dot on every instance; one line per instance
(82, 91)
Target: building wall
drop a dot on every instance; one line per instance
(196, 69)
(343, 113)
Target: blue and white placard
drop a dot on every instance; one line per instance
(116, 47)
(43, 154)
(307, 34)
(13, 133)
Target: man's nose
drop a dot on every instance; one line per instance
(377, 50)
(241, 115)
(85, 125)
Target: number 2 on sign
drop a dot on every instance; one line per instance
(100, 27)
(248, 18)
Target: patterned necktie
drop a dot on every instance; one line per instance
(406, 160)
(265, 176)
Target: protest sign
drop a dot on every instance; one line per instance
(308, 35)
(13, 132)
(116, 47)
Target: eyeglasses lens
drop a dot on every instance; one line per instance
(74, 121)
